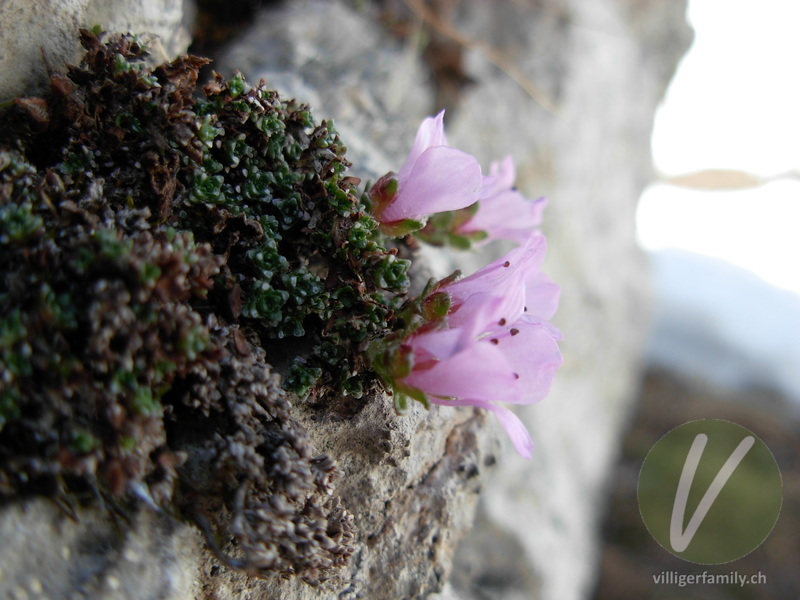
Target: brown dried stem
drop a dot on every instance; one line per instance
(493, 55)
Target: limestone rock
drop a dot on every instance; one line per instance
(412, 482)
(604, 66)
(38, 35)
(342, 62)
(49, 555)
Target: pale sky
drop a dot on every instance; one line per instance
(734, 104)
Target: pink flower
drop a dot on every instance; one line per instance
(435, 178)
(503, 213)
(497, 345)
(507, 278)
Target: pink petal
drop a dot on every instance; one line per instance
(436, 345)
(441, 179)
(481, 312)
(506, 216)
(541, 297)
(515, 429)
(500, 178)
(479, 371)
(504, 213)
(444, 343)
(522, 262)
(507, 282)
(552, 331)
(533, 354)
(429, 134)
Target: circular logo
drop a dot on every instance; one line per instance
(710, 491)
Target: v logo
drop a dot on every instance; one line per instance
(678, 538)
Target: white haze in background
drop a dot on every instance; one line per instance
(734, 104)
(758, 229)
(735, 100)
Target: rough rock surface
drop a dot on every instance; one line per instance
(413, 482)
(604, 65)
(342, 62)
(41, 34)
(45, 554)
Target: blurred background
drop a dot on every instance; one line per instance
(726, 145)
(720, 228)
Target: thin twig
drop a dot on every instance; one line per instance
(497, 58)
(159, 47)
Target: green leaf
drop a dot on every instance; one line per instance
(400, 403)
(459, 242)
(436, 306)
(402, 393)
(401, 228)
(237, 85)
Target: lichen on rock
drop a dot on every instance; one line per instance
(162, 255)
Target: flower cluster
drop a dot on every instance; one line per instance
(441, 195)
(435, 178)
(484, 339)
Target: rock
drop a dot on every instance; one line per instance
(412, 482)
(41, 35)
(604, 66)
(49, 555)
(341, 62)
